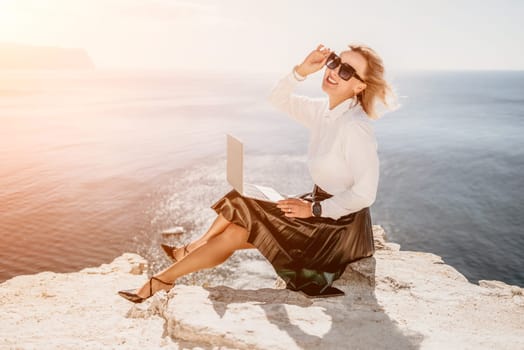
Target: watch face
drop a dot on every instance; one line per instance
(316, 209)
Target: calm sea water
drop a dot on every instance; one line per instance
(94, 164)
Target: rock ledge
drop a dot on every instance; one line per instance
(394, 300)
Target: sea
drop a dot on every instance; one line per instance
(97, 163)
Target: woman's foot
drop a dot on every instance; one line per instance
(156, 285)
(178, 253)
(147, 290)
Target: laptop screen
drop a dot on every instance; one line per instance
(235, 164)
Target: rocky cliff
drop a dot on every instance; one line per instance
(394, 300)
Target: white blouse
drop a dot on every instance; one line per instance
(342, 151)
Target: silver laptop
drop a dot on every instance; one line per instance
(235, 168)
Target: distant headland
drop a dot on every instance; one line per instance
(19, 56)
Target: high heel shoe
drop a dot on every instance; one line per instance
(135, 298)
(169, 250)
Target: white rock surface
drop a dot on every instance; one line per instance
(394, 300)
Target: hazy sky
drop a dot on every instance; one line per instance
(271, 35)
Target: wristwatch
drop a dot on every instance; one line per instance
(317, 209)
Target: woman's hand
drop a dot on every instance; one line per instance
(314, 61)
(295, 207)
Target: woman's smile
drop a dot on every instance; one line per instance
(331, 81)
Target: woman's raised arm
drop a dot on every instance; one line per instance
(301, 108)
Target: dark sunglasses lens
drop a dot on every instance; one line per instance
(345, 72)
(332, 62)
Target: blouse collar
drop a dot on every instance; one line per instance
(340, 109)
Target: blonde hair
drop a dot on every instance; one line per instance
(378, 89)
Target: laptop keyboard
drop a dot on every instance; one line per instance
(252, 191)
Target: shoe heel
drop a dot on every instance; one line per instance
(170, 249)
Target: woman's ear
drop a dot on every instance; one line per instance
(360, 88)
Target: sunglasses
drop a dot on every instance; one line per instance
(346, 71)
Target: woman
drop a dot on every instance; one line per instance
(310, 239)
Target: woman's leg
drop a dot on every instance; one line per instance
(214, 252)
(218, 226)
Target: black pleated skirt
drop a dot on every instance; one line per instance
(301, 250)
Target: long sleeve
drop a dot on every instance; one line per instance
(361, 155)
(305, 110)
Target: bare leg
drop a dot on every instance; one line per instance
(218, 226)
(214, 252)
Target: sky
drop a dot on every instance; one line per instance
(271, 35)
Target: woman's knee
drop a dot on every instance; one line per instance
(235, 235)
